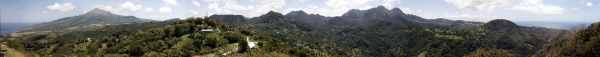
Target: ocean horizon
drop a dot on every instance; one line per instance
(8, 26)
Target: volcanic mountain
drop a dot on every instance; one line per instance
(93, 18)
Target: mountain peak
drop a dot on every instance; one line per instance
(353, 14)
(380, 7)
(501, 25)
(297, 13)
(274, 14)
(271, 12)
(377, 12)
(98, 11)
(269, 17)
(397, 11)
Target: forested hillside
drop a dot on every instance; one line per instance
(177, 39)
(580, 41)
(375, 32)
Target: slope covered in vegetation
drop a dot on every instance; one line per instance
(578, 42)
(376, 32)
(182, 38)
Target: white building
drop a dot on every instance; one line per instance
(250, 44)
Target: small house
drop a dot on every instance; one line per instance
(207, 30)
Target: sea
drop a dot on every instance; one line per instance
(552, 24)
(6, 27)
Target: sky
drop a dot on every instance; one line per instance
(469, 10)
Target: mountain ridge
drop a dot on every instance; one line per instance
(93, 18)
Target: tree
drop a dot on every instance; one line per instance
(243, 46)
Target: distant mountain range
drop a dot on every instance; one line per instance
(93, 18)
(377, 31)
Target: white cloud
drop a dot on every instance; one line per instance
(345, 3)
(313, 6)
(102, 7)
(165, 9)
(366, 7)
(44, 12)
(107, 8)
(213, 1)
(231, 4)
(420, 10)
(574, 8)
(590, 4)
(266, 6)
(195, 3)
(480, 5)
(536, 6)
(148, 9)
(250, 7)
(63, 8)
(457, 16)
(428, 15)
(171, 2)
(130, 6)
(406, 10)
(388, 3)
(110, 9)
(214, 8)
(467, 17)
(300, 0)
(321, 11)
(193, 12)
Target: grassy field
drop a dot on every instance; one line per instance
(12, 52)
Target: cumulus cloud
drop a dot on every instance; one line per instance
(590, 4)
(420, 10)
(148, 9)
(465, 16)
(110, 9)
(266, 6)
(574, 8)
(406, 10)
(171, 2)
(193, 12)
(457, 16)
(479, 5)
(44, 12)
(345, 3)
(130, 6)
(214, 1)
(63, 8)
(388, 3)
(231, 4)
(300, 0)
(165, 9)
(195, 3)
(321, 11)
(469, 17)
(536, 6)
(214, 8)
(107, 8)
(366, 7)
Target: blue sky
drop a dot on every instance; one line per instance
(470, 10)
